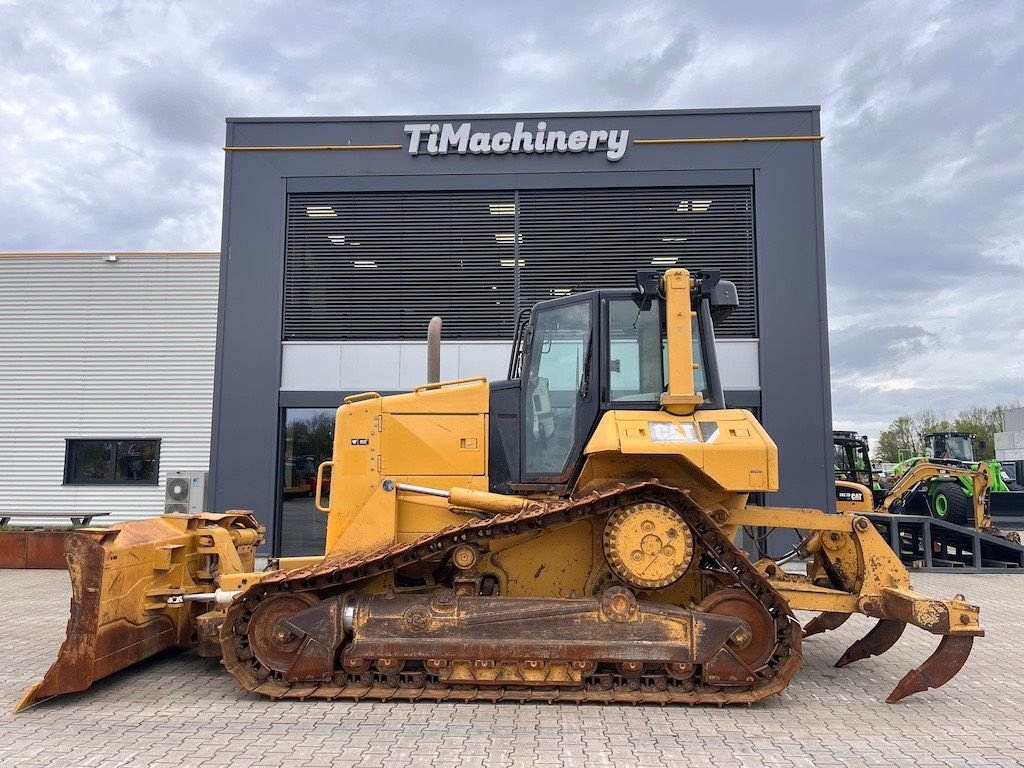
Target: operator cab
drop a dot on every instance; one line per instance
(578, 356)
(851, 462)
(949, 446)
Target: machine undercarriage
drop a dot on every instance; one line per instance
(724, 636)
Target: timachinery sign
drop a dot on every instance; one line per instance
(461, 139)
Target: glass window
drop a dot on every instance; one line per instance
(112, 462)
(308, 441)
(842, 463)
(558, 362)
(636, 351)
(954, 447)
(700, 379)
(851, 463)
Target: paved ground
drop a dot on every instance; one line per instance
(181, 711)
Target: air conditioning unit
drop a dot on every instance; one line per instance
(185, 493)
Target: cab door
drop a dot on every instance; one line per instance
(559, 391)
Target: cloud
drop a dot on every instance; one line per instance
(872, 348)
(111, 123)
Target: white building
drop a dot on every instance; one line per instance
(1010, 442)
(106, 378)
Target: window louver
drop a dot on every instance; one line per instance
(378, 265)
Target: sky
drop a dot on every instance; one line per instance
(112, 124)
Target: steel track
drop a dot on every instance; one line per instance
(334, 576)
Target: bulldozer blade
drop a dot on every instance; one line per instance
(123, 580)
(825, 622)
(937, 670)
(880, 639)
(94, 649)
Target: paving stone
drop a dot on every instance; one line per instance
(179, 711)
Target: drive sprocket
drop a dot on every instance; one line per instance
(648, 545)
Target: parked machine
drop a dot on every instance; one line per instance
(956, 497)
(856, 483)
(563, 535)
(943, 490)
(299, 476)
(958, 449)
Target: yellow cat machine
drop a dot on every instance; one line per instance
(566, 535)
(935, 515)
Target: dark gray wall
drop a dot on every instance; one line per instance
(789, 249)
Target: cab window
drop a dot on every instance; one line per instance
(559, 358)
(636, 351)
(841, 461)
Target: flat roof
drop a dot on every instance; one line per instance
(500, 115)
(55, 254)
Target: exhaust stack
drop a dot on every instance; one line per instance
(434, 350)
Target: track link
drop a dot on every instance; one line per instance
(334, 576)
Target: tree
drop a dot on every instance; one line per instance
(930, 420)
(984, 423)
(901, 434)
(906, 431)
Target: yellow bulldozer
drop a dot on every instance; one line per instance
(566, 535)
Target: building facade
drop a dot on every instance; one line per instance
(343, 236)
(1010, 444)
(106, 379)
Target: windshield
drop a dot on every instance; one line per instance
(636, 367)
(851, 462)
(956, 447)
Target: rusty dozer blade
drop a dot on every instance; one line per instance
(880, 639)
(937, 670)
(121, 580)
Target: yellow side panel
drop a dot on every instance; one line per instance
(738, 452)
(729, 446)
(434, 436)
(853, 497)
(435, 444)
(361, 516)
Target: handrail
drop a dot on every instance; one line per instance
(453, 383)
(319, 486)
(361, 396)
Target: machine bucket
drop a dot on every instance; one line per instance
(937, 670)
(1007, 504)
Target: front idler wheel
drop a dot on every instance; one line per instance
(274, 641)
(751, 645)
